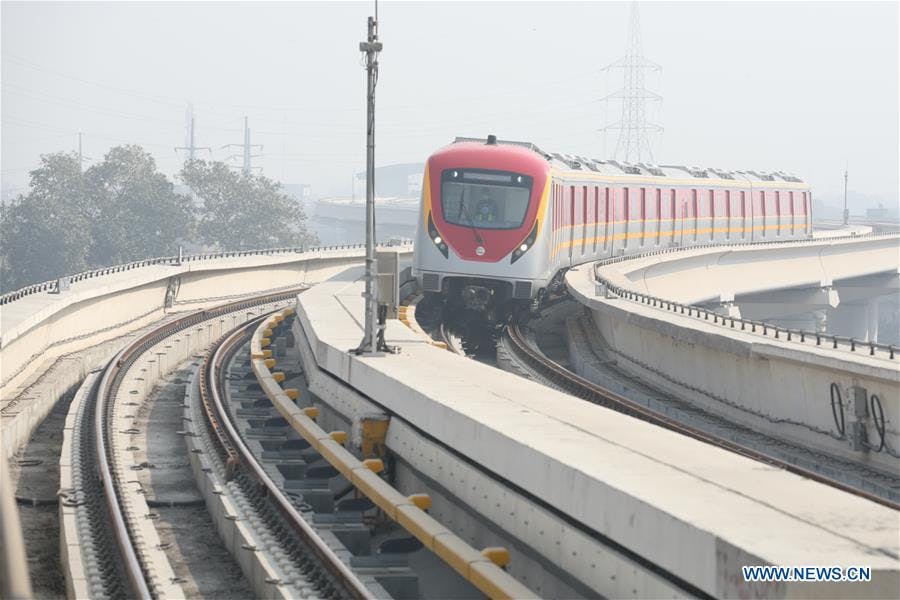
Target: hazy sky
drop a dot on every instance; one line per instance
(803, 87)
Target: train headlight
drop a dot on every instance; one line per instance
(436, 237)
(527, 243)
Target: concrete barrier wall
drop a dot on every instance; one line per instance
(50, 341)
(44, 326)
(777, 387)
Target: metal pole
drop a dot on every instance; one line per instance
(246, 146)
(371, 47)
(846, 211)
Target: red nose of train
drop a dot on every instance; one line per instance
(485, 198)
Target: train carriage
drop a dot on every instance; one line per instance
(502, 221)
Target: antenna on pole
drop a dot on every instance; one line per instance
(373, 336)
(634, 142)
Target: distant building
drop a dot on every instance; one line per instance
(877, 213)
(342, 220)
(400, 180)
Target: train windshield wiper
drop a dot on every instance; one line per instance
(465, 209)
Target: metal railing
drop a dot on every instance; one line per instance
(52, 286)
(821, 339)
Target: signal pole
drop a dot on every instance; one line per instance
(247, 147)
(370, 341)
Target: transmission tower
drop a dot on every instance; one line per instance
(190, 145)
(633, 144)
(247, 147)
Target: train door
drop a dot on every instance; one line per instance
(570, 212)
(778, 211)
(596, 217)
(584, 218)
(728, 215)
(792, 212)
(673, 214)
(762, 210)
(712, 215)
(659, 209)
(608, 204)
(643, 216)
(695, 212)
(743, 214)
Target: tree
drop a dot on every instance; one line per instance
(242, 211)
(46, 234)
(136, 211)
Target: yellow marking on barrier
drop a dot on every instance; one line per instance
(270, 362)
(278, 318)
(259, 354)
(266, 354)
(288, 312)
(267, 333)
(292, 393)
(339, 436)
(264, 342)
(423, 501)
(374, 432)
(442, 345)
(374, 464)
(406, 511)
(497, 555)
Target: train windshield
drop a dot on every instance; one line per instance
(485, 199)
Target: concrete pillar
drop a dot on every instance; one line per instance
(821, 320)
(872, 318)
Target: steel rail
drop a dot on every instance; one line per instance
(109, 383)
(588, 390)
(211, 392)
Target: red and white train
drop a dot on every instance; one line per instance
(502, 221)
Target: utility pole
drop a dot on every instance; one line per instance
(846, 210)
(191, 144)
(633, 144)
(371, 338)
(247, 148)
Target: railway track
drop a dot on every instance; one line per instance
(307, 561)
(516, 345)
(111, 548)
